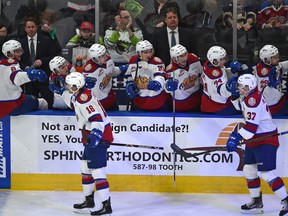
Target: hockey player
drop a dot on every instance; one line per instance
(60, 68)
(103, 69)
(183, 78)
(216, 96)
(272, 79)
(260, 156)
(12, 100)
(90, 113)
(148, 78)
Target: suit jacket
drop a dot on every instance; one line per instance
(161, 44)
(45, 51)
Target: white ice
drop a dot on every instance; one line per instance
(59, 203)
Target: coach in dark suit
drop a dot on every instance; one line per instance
(168, 36)
(38, 51)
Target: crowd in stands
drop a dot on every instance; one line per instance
(160, 54)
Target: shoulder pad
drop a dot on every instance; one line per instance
(192, 58)
(253, 99)
(261, 70)
(212, 72)
(156, 60)
(133, 59)
(90, 67)
(84, 96)
(8, 61)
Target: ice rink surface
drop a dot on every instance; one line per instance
(52, 203)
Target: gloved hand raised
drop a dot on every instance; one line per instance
(231, 86)
(95, 137)
(171, 85)
(90, 82)
(273, 81)
(36, 74)
(154, 85)
(131, 90)
(236, 67)
(233, 141)
(57, 85)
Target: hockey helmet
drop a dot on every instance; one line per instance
(74, 81)
(216, 54)
(177, 51)
(267, 52)
(96, 51)
(10, 46)
(247, 80)
(143, 46)
(56, 63)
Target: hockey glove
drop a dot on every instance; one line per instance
(123, 68)
(171, 85)
(131, 90)
(57, 85)
(273, 81)
(154, 85)
(236, 67)
(90, 82)
(95, 137)
(231, 86)
(36, 74)
(233, 141)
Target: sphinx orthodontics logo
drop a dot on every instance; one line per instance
(2, 158)
(221, 142)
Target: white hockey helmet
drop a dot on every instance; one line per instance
(56, 63)
(74, 81)
(215, 54)
(247, 80)
(10, 46)
(143, 46)
(267, 52)
(95, 51)
(177, 51)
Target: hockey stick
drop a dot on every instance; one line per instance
(130, 100)
(185, 154)
(84, 134)
(174, 135)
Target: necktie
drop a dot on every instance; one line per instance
(32, 51)
(173, 39)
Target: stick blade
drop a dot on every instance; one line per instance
(180, 151)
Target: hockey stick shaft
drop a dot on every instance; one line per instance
(84, 134)
(185, 154)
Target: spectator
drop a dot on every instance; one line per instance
(216, 96)
(168, 36)
(146, 89)
(260, 155)
(99, 134)
(101, 66)
(273, 14)
(12, 100)
(85, 37)
(272, 79)
(38, 51)
(121, 41)
(3, 37)
(183, 81)
(47, 19)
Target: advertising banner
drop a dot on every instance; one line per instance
(52, 144)
(5, 173)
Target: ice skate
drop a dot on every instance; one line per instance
(254, 207)
(105, 210)
(284, 210)
(86, 206)
(43, 105)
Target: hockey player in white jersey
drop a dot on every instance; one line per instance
(13, 100)
(146, 85)
(260, 156)
(272, 79)
(90, 113)
(103, 69)
(183, 78)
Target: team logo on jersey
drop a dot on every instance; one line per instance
(105, 81)
(188, 82)
(251, 101)
(215, 73)
(84, 97)
(88, 67)
(142, 82)
(264, 71)
(10, 60)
